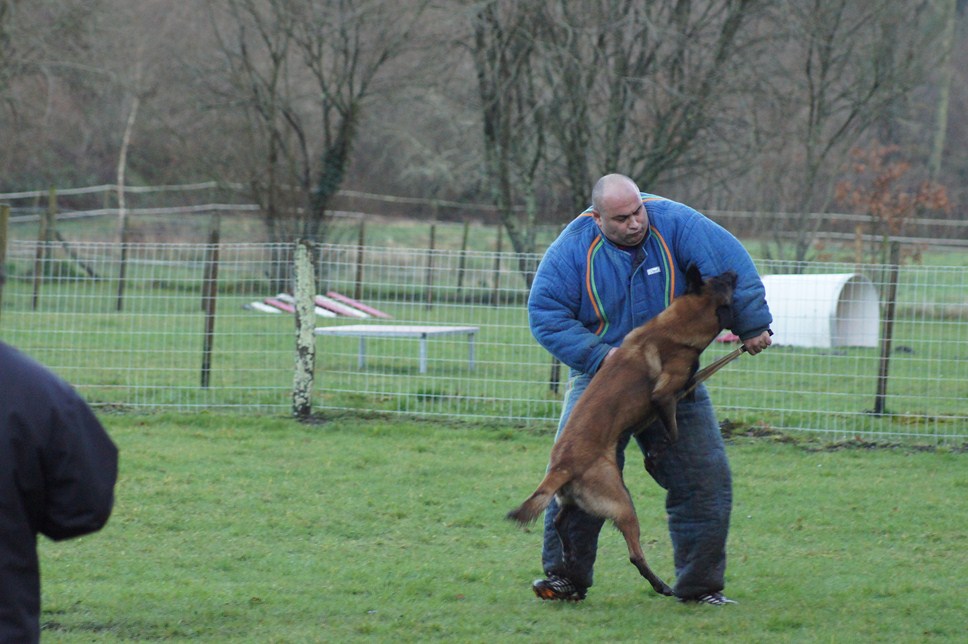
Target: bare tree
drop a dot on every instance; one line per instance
(45, 75)
(6, 59)
(571, 90)
(512, 109)
(644, 84)
(131, 46)
(744, 104)
(302, 72)
(844, 66)
(949, 14)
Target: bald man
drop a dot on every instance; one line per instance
(613, 268)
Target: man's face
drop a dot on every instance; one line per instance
(623, 218)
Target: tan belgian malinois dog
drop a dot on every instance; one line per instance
(637, 384)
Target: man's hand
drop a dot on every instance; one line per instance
(756, 344)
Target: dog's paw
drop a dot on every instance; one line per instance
(663, 589)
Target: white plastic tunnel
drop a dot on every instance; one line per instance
(838, 310)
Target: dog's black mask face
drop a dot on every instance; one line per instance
(721, 287)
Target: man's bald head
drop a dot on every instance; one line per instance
(618, 210)
(610, 188)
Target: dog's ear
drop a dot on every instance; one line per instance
(724, 317)
(693, 279)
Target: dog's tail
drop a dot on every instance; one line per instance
(535, 504)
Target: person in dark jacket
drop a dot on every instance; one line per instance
(613, 268)
(58, 468)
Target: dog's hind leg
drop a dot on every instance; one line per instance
(602, 492)
(628, 525)
(637, 557)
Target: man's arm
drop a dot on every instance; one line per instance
(715, 250)
(81, 463)
(553, 308)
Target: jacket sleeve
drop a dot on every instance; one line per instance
(81, 466)
(554, 306)
(715, 250)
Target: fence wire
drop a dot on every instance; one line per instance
(187, 327)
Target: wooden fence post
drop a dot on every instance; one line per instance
(209, 297)
(360, 248)
(123, 235)
(44, 235)
(430, 266)
(463, 257)
(302, 384)
(880, 404)
(858, 247)
(496, 295)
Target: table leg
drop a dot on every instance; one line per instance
(359, 356)
(423, 354)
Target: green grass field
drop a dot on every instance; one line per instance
(259, 529)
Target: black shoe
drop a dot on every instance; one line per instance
(558, 588)
(713, 599)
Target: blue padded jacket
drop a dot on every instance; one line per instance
(588, 294)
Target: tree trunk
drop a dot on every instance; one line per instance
(944, 90)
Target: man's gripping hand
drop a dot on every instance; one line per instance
(757, 343)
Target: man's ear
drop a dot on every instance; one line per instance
(693, 279)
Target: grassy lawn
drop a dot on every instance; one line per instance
(260, 529)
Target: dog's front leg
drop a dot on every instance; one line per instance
(665, 410)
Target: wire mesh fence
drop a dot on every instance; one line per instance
(200, 326)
